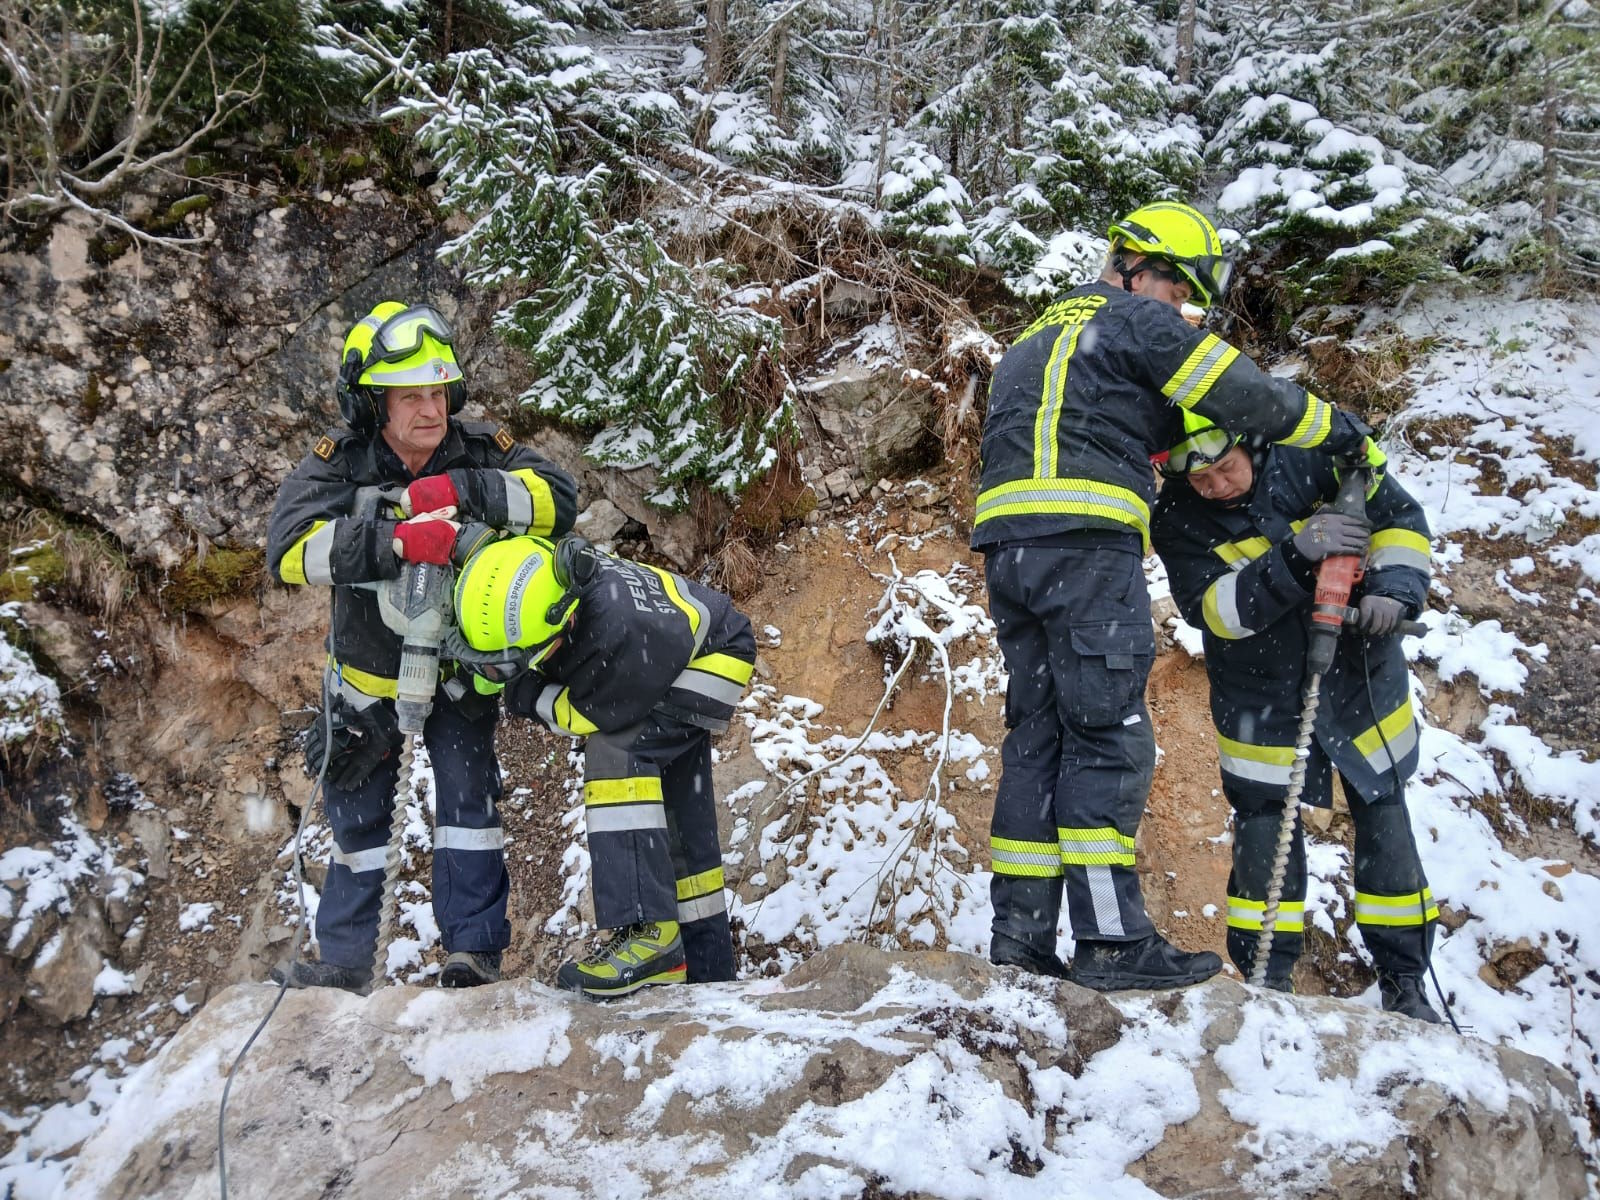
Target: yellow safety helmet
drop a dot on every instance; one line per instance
(516, 599)
(1182, 236)
(396, 345)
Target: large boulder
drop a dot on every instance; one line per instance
(860, 1073)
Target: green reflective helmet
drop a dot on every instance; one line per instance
(1183, 237)
(513, 606)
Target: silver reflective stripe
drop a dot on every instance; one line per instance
(459, 837)
(1067, 494)
(519, 504)
(519, 585)
(318, 558)
(1226, 592)
(361, 860)
(723, 691)
(702, 907)
(1103, 891)
(1073, 848)
(545, 705)
(703, 626)
(1198, 372)
(1400, 745)
(1024, 858)
(1398, 556)
(625, 818)
(1249, 768)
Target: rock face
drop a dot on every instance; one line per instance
(860, 1073)
(163, 397)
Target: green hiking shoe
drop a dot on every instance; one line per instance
(635, 957)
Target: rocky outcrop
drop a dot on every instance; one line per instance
(163, 396)
(860, 1073)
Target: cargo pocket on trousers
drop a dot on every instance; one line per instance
(1114, 660)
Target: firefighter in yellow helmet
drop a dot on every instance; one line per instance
(1077, 408)
(1242, 529)
(645, 666)
(400, 390)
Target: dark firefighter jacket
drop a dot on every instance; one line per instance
(1235, 576)
(644, 639)
(1084, 397)
(315, 536)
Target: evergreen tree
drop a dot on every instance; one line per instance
(645, 352)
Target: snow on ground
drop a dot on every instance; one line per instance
(852, 856)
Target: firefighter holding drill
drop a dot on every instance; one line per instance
(1242, 532)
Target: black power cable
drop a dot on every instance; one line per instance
(1411, 834)
(294, 952)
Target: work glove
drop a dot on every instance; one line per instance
(1379, 615)
(426, 539)
(362, 739)
(1329, 533)
(431, 493)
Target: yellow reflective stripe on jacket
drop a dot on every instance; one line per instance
(636, 789)
(569, 718)
(1248, 914)
(542, 520)
(1398, 728)
(1413, 908)
(365, 682)
(1315, 425)
(1204, 366)
(1079, 497)
(1245, 550)
(704, 884)
(692, 608)
(1099, 847)
(1047, 421)
(1399, 548)
(1220, 608)
(308, 560)
(1036, 860)
(1263, 764)
(724, 665)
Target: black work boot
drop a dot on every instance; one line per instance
(1008, 952)
(1151, 963)
(304, 974)
(1279, 983)
(470, 968)
(1405, 994)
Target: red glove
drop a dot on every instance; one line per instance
(425, 541)
(430, 494)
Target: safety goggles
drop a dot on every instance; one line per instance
(502, 666)
(401, 336)
(1201, 449)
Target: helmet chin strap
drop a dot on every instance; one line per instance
(1117, 264)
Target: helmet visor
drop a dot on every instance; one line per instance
(1200, 449)
(402, 335)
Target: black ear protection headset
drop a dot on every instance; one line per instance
(363, 406)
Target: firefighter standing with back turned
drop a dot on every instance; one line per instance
(645, 665)
(1078, 406)
(399, 390)
(1241, 532)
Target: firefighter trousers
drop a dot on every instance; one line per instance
(651, 814)
(1394, 908)
(470, 884)
(1073, 622)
